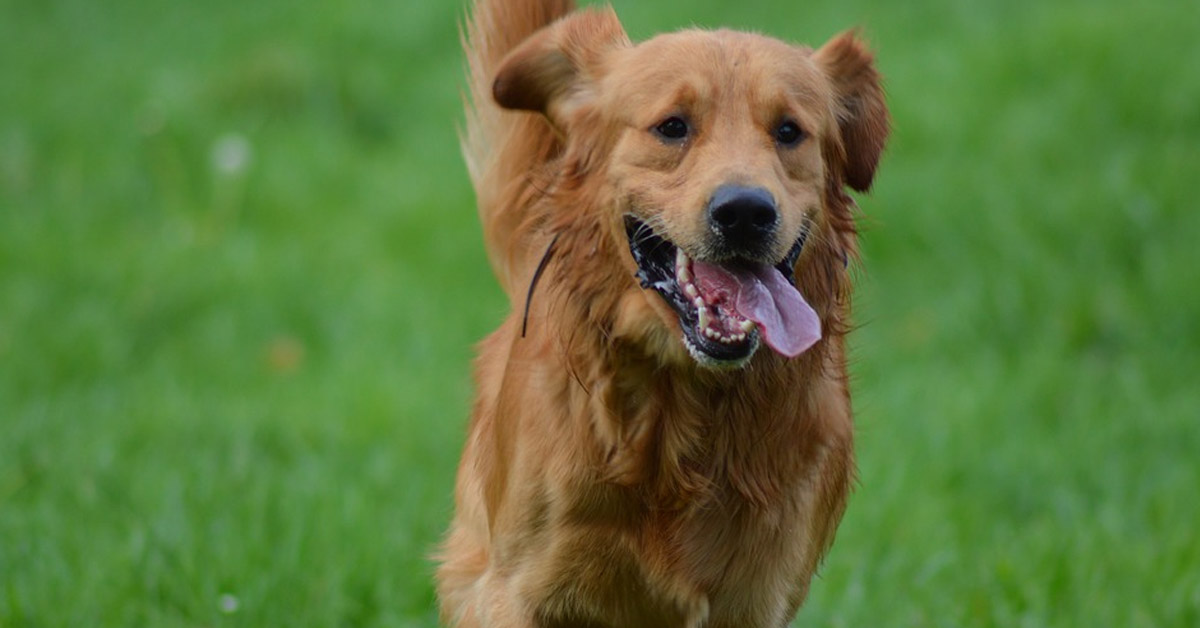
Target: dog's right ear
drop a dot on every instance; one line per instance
(554, 70)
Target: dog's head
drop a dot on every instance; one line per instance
(721, 159)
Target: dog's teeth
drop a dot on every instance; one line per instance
(699, 301)
(747, 326)
(740, 337)
(708, 331)
(704, 319)
(682, 261)
(691, 291)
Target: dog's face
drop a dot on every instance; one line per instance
(717, 152)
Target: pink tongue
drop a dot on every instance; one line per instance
(789, 324)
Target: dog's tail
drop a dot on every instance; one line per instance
(503, 148)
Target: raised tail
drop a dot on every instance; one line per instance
(502, 148)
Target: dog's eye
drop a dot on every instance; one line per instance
(789, 133)
(673, 128)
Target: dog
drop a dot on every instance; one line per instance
(662, 431)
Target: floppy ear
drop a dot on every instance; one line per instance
(862, 113)
(553, 70)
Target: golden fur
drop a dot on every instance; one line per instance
(608, 478)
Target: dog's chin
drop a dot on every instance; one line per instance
(713, 333)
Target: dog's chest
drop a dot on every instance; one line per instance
(710, 565)
(746, 560)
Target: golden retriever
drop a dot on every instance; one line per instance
(662, 431)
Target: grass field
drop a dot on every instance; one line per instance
(240, 278)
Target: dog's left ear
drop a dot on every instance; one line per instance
(862, 112)
(554, 70)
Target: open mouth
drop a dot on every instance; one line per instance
(726, 310)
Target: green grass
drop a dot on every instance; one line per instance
(252, 382)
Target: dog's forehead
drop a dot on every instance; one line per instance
(709, 65)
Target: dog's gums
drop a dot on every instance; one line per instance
(725, 309)
(715, 317)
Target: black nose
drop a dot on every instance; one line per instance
(744, 217)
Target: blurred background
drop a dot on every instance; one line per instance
(241, 276)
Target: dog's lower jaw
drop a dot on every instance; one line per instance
(644, 320)
(707, 361)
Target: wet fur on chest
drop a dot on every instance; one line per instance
(657, 494)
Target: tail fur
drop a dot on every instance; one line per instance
(502, 148)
